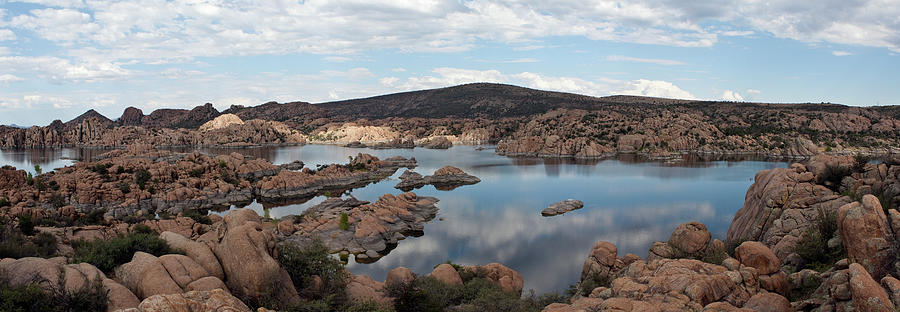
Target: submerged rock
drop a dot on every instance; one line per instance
(562, 207)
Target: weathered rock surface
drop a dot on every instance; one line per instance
(447, 274)
(220, 122)
(399, 276)
(867, 294)
(782, 204)
(55, 275)
(146, 276)
(501, 275)
(691, 238)
(371, 228)
(562, 207)
(199, 252)
(216, 300)
(245, 253)
(440, 142)
(867, 236)
(445, 179)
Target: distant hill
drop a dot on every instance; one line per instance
(476, 100)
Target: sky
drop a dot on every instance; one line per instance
(60, 58)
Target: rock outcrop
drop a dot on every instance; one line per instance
(245, 253)
(371, 229)
(562, 207)
(868, 237)
(445, 179)
(220, 122)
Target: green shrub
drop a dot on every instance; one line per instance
(4, 202)
(302, 262)
(107, 254)
(124, 187)
(25, 299)
(813, 246)
(860, 161)
(714, 255)
(141, 177)
(26, 224)
(832, 176)
(15, 245)
(95, 217)
(344, 222)
(57, 200)
(478, 294)
(198, 215)
(34, 298)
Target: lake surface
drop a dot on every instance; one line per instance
(628, 202)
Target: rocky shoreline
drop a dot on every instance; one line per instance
(819, 236)
(141, 181)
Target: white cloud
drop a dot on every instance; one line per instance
(523, 60)
(44, 101)
(620, 58)
(358, 73)
(655, 88)
(398, 69)
(841, 53)
(58, 70)
(565, 84)
(337, 59)
(6, 34)
(733, 96)
(7, 78)
(444, 77)
(737, 33)
(753, 91)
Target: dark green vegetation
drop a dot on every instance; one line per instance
(344, 222)
(15, 244)
(476, 294)
(305, 263)
(57, 299)
(813, 246)
(107, 254)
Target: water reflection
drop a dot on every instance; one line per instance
(628, 201)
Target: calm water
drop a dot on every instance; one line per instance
(627, 202)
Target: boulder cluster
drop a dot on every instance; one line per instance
(445, 179)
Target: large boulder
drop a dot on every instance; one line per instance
(250, 270)
(867, 237)
(499, 274)
(690, 238)
(757, 255)
(146, 276)
(867, 295)
(600, 262)
(768, 302)
(399, 276)
(182, 269)
(782, 204)
(362, 288)
(447, 274)
(199, 252)
(216, 300)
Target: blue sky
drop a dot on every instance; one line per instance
(59, 58)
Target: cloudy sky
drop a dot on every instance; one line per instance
(59, 58)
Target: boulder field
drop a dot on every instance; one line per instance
(141, 181)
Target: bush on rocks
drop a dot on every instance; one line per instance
(13, 244)
(306, 262)
(108, 254)
(35, 298)
(476, 294)
(813, 246)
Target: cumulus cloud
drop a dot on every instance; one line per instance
(729, 95)
(620, 58)
(841, 53)
(753, 91)
(444, 77)
(6, 34)
(59, 70)
(5, 79)
(655, 88)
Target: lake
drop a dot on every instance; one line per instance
(627, 201)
